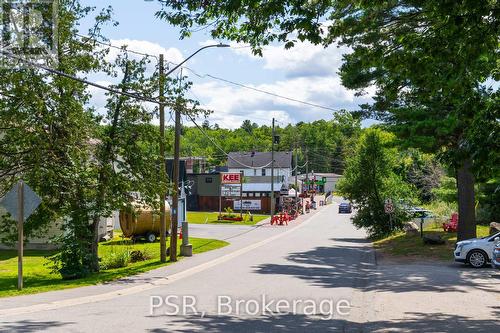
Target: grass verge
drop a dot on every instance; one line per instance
(211, 218)
(38, 278)
(412, 247)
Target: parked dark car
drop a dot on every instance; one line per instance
(345, 208)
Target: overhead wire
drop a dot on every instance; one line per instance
(123, 48)
(131, 95)
(90, 83)
(222, 149)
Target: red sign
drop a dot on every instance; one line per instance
(230, 178)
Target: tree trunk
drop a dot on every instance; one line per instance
(95, 244)
(466, 202)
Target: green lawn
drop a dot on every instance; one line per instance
(205, 217)
(404, 246)
(37, 276)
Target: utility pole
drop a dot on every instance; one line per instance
(242, 175)
(163, 171)
(296, 173)
(272, 173)
(175, 196)
(307, 170)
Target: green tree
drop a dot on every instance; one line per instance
(427, 59)
(370, 179)
(125, 149)
(46, 125)
(248, 126)
(422, 171)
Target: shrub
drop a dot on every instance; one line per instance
(116, 259)
(137, 255)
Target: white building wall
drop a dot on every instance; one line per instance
(258, 172)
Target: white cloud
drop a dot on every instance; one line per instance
(171, 54)
(304, 59)
(232, 105)
(307, 73)
(311, 75)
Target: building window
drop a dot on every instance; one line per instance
(209, 180)
(257, 194)
(263, 172)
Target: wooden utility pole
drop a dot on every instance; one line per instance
(175, 196)
(272, 172)
(307, 170)
(163, 171)
(241, 193)
(20, 235)
(296, 174)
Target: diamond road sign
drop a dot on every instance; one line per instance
(31, 202)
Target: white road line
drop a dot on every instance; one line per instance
(147, 286)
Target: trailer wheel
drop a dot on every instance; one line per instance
(151, 237)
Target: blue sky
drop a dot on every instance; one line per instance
(307, 72)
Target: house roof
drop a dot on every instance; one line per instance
(240, 160)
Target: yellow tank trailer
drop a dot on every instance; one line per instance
(142, 221)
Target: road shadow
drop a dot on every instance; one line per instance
(28, 326)
(352, 264)
(412, 323)
(352, 240)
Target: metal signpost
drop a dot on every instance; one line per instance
(389, 209)
(241, 194)
(21, 201)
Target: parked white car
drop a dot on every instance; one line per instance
(477, 251)
(495, 261)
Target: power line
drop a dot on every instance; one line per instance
(131, 95)
(122, 48)
(216, 77)
(222, 149)
(147, 99)
(72, 77)
(262, 91)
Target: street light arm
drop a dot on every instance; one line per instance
(192, 55)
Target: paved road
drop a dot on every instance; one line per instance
(217, 231)
(314, 267)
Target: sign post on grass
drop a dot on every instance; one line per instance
(20, 202)
(20, 234)
(389, 209)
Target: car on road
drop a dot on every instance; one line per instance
(495, 260)
(476, 252)
(345, 208)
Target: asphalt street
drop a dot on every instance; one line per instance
(318, 274)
